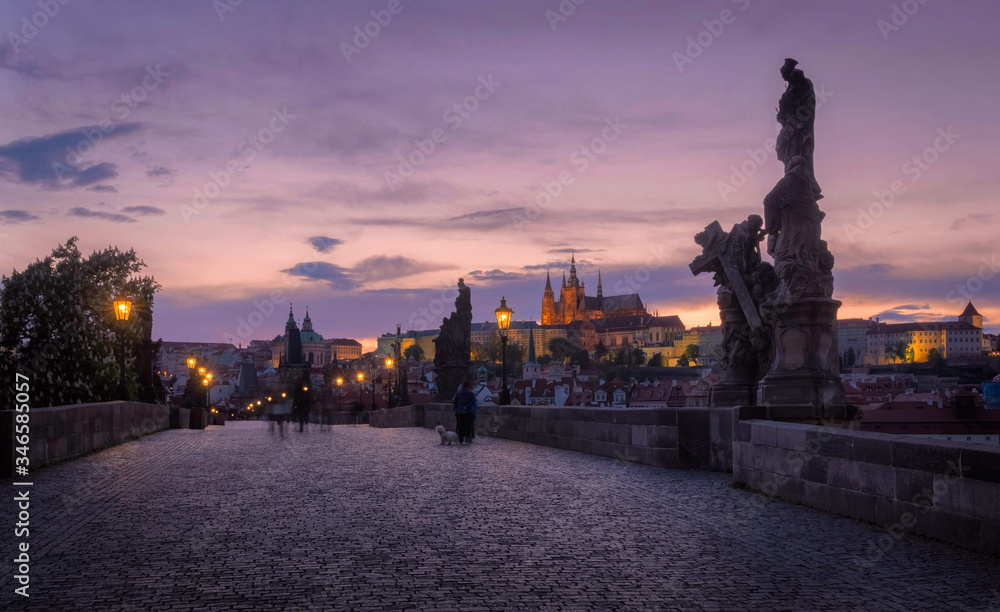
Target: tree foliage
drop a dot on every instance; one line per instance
(57, 324)
(937, 362)
(581, 358)
(629, 357)
(492, 351)
(899, 351)
(561, 349)
(850, 358)
(656, 361)
(414, 352)
(690, 356)
(600, 351)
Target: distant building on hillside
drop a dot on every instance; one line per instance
(961, 339)
(575, 305)
(316, 351)
(853, 334)
(709, 342)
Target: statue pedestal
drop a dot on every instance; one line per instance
(448, 377)
(803, 384)
(731, 393)
(736, 387)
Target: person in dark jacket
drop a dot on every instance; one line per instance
(464, 402)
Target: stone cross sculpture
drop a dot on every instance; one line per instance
(731, 256)
(453, 346)
(744, 282)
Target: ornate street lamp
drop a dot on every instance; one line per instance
(361, 388)
(340, 382)
(504, 315)
(122, 309)
(388, 375)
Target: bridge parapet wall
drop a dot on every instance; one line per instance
(58, 433)
(946, 490)
(682, 437)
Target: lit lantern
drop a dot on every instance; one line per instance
(122, 309)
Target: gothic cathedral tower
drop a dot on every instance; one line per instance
(571, 301)
(549, 314)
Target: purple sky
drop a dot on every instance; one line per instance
(323, 215)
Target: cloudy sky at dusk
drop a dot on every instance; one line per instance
(251, 157)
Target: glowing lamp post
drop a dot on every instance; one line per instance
(388, 375)
(122, 309)
(340, 382)
(504, 315)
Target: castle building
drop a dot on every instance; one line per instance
(961, 339)
(575, 305)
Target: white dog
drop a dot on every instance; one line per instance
(447, 437)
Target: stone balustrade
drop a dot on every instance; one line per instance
(59, 433)
(945, 490)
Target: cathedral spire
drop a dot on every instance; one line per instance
(600, 291)
(564, 280)
(548, 281)
(573, 280)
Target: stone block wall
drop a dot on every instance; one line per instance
(684, 437)
(402, 416)
(58, 433)
(945, 490)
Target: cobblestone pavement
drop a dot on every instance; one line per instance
(353, 518)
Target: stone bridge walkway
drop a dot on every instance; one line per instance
(235, 518)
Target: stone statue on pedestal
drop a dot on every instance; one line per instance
(780, 323)
(453, 346)
(801, 259)
(803, 382)
(150, 387)
(797, 115)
